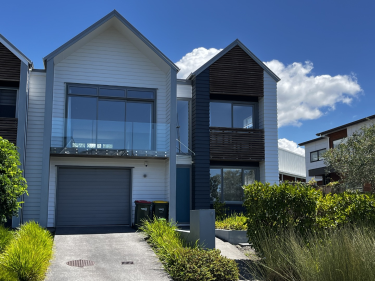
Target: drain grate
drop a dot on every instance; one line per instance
(127, 262)
(80, 263)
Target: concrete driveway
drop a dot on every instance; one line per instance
(118, 253)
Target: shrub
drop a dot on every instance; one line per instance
(339, 254)
(29, 254)
(5, 237)
(233, 222)
(186, 262)
(198, 264)
(273, 208)
(12, 184)
(346, 208)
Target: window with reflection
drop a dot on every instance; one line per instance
(231, 115)
(8, 101)
(226, 183)
(109, 117)
(183, 124)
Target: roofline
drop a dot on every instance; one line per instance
(15, 48)
(309, 141)
(346, 125)
(183, 82)
(292, 152)
(227, 49)
(94, 26)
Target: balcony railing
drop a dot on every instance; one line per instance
(109, 138)
(8, 129)
(235, 144)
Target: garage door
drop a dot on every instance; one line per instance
(92, 196)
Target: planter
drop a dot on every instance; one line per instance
(232, 236)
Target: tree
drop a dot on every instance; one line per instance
(354, 160)
(12, 183)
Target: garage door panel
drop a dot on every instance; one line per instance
(93, 197)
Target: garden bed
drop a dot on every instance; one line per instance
(232, 236)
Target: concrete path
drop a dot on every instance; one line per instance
(108, 248)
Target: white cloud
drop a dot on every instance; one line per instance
(291, 146)
(303, 96)
(192, 61)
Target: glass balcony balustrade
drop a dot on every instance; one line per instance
(109, 138)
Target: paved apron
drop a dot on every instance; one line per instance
(108, 248)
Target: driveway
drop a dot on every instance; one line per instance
(117, 253)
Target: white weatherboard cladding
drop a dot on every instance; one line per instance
(313, 146)
(34, 145)
(356, 127)
(291, 163)
(269, 168)
(152, 187)
(184, 91)
(108, 59)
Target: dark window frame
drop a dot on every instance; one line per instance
(257, 177)
(255, 106)
(16, 105)
(98, 97)
(318, 152)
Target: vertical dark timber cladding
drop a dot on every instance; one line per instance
(201, 140)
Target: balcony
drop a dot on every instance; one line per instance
(98, 138)
(8, 129)
(236, 144)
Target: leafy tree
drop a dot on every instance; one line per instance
(354, 160)
(12, 183)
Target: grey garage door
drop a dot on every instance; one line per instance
(92, 196)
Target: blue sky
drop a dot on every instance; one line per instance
(336, 37)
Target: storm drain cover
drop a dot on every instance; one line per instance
(80, 263)
(127, 262)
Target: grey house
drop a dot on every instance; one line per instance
(107, 122)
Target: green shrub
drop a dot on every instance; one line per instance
(346, 208)
(186, 262)
(338, 254)
(273, 208)
(232, 222)
(12, 184)
(28, 255)
(198, 264)
(5, 237)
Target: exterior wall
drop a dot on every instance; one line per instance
(153, 187)
(356, 127)
(184, 91)
(34, 145)
(269, 168)
(201, 141)
(108, 59)
(313, 146)
(291, 164)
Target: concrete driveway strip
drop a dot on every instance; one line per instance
(108, 248)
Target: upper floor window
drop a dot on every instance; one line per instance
(317, 155)
(8, 101)
(336, 143)
(232, 115)
(110, 117)
(183, 125)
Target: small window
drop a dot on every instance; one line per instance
(112, 93)
(86, 91)
(140, 94)
(243, 116)
(220, 114)
(231, 115)
(317, 155)
(8, 100)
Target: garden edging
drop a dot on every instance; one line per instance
(232, 236)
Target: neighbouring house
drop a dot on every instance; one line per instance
(107, 122)
(314, 149)
(292, 166)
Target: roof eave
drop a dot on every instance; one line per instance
(346, 125)
(18, 51)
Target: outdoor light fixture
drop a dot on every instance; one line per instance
(146, 163)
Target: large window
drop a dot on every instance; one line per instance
(109, 117)
(226, 183)
(336, 143)
(232, 115)
(8, 100)
(183, 117)
(317, 155)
